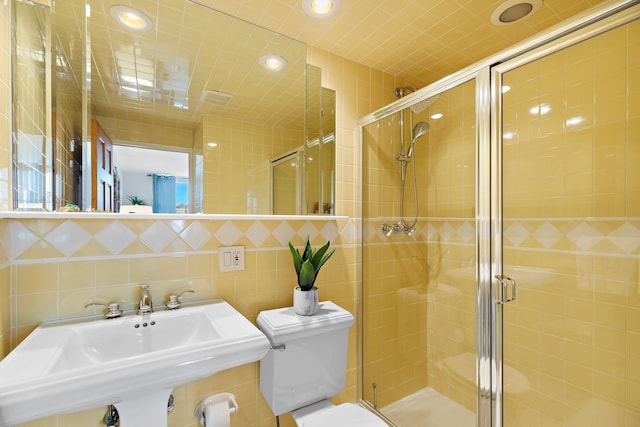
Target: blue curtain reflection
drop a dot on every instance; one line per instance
(164, 194)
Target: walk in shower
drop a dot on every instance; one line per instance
(515, 301)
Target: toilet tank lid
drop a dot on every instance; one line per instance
(282, 324)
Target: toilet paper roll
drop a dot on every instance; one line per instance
(217, 415)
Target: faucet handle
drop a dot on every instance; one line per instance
(174, 299)
(113, 308)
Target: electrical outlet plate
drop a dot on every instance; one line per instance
(231, 258)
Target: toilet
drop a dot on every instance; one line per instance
(306, 366)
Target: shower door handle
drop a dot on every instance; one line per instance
(504, 282)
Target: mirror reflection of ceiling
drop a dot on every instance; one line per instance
(419, 41)
(152, 77)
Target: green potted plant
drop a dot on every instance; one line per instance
(307, 266)
(134, 200)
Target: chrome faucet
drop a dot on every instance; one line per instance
(145, 306)
(174, 302)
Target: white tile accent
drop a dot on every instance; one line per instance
(115, 237)
(283, 233)
(17, 238)
(467, 232)
(547, 234)
(446, 231)
(330, 231)
(308, 229)
(585, 236)
(430, 231)
(68, 237)
(369, 232)
(257, 233)
(626, 237)
(516, 233)
(228, 234)
(196, 235)
(158, 236)
(349, 232)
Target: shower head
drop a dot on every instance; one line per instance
(419, 130)
(402, 91)
(423, 105)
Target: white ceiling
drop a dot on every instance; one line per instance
(136, 160)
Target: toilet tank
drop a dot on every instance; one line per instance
(311, 365)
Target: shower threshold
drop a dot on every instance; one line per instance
(428, 408)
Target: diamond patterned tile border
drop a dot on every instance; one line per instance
(68, 237)
(284, 233)
(158, 236)
(308, 229)
(257, 233)
(196, 235)
(17, 238)
(547, 234)
(115, 237)
(228, 234)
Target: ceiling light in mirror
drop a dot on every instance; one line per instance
(321, 8)
(131, 18)
(437, 116)
(273, 62)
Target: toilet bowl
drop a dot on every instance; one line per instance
(306, 366)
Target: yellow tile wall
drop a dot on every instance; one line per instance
(50, 282)
(264, 275)
(67, 127)
(244, 152)
(359, 90)
(419, 292)
(30, 104)
(572, 234)
(135, 131)
(5, 173)
(5, 108)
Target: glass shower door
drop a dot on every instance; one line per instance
(419, 286)
(570, 156)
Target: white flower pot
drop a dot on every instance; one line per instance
(305, 303)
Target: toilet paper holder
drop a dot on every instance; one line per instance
(212, 400)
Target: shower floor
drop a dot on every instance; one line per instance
(428, 408)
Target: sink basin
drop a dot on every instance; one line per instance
(71, 366)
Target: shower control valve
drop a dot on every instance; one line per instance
(390, 229)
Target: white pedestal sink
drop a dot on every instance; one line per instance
(71, 366)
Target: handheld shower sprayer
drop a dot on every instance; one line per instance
(419, 130)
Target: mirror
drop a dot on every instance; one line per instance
(320, 145)
(197, 87)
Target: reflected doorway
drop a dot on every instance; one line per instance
(138, 168)
(286, 183)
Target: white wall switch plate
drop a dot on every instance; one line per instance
(231, 258)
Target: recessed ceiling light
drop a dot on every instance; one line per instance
(321, 8)
(437, 116)
(514, 10)
(131, 18)
(212, 144)
(273, 62)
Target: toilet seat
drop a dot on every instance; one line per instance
(344, 415)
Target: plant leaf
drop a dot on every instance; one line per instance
(323, 260)
(307, 276)
(297, 260)
(315, 260)
(308, 252)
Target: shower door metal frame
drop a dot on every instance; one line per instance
(489, 403)
(596, 25)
